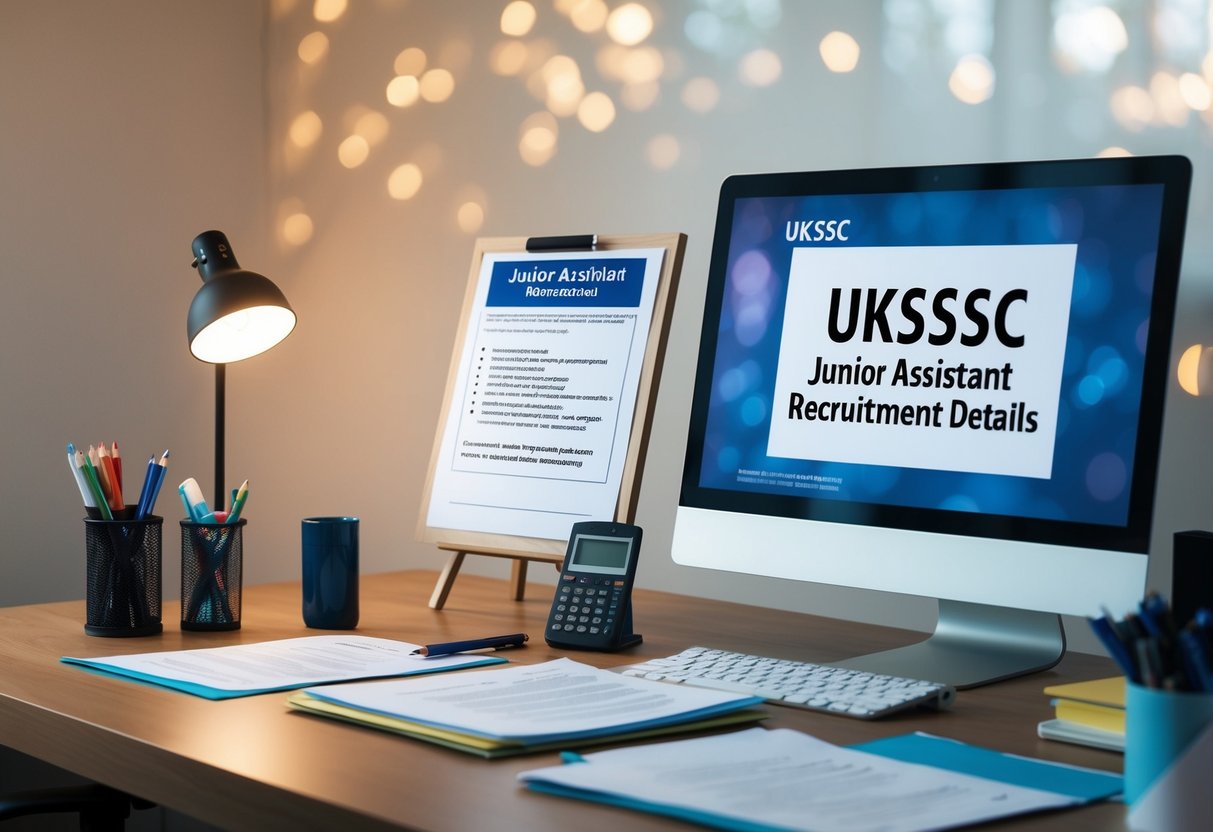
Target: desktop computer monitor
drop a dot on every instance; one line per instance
(940, 381)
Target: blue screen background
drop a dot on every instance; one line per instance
(1116, 229)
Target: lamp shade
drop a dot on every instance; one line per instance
(237, 313)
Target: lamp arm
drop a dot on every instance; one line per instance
(220, 407)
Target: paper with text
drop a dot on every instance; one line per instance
(784, 779)
(556, 699)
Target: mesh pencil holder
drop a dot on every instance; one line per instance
(212, 558)
(122, 585)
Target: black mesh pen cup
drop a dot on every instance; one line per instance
(122, 584)
(212, 559)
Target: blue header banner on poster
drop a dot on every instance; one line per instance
(605, 282)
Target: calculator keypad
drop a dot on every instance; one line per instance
(586, 605)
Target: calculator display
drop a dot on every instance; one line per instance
(604, 555)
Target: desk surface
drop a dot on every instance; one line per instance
(250, 764)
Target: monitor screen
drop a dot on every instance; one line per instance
(941, 381)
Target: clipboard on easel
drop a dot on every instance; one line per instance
(550, 395)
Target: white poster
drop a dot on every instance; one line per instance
(954, 353)
(541, 414)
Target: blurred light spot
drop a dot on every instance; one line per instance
(629, 24)
(663, 151)
(839, 52)
(326, 11)
(1106, 363)
(751, 273)
(372, 126)
(306, 129)
(470, 217)
(1132, 107)
(353, 151)
(596, 112)
(640, 97)
(1188, 372)
(537, 138)
(1090, 390)
(410, 61)
(1113, 151)
(728, 459)
(437, 85)
(281, 8)
(704, 29)
(750, 324)
(754, 410)
(1168, 102)
(732, 384)
(610, 60)
(517, 18)
(313, 47)
(297, 229)
(972, 81)
(764, 13)
(508, 57)
(565, 6)
(562, 86)
(1089, 39)
(405, 181)
(1195, 91)
(760, 68)
(640, 65)
(701, 95)
(403, 91)
(588, 16)
(1106, 477)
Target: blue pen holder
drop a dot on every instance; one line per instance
(212, 559)
(122, 585)
(1159, 726)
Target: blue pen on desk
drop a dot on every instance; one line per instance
(452, 647)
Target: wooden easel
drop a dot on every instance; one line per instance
(523, 550)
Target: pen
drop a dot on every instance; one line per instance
(493, 643)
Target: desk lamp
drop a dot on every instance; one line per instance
(235, 315)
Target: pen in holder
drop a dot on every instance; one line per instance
(212, 557)
(122, 585)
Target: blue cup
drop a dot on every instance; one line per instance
(330, 572)
(1159, 726)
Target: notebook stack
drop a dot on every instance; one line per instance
(1088, 713)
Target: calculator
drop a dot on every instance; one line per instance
(592, 605)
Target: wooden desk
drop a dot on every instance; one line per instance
(250, 764)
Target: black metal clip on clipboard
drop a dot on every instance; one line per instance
(570, 242)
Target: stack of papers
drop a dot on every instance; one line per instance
(785, 780)
(247, 669)
(522, 709)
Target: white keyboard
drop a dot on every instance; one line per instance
(817, 687)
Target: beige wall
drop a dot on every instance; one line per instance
(111, 165)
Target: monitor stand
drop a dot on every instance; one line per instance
(974, 644)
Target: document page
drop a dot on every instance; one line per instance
(788, 780)
(541, 410)
(554, 700)
(279, 665)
